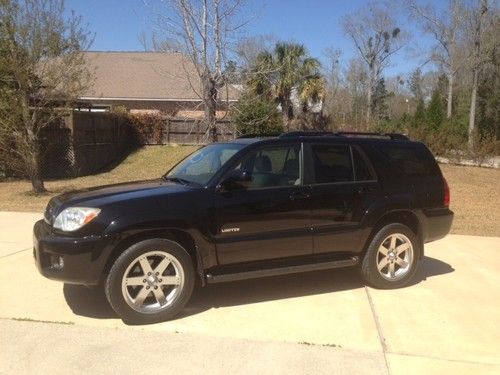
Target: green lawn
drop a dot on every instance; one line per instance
(475, 192)
(147, 162)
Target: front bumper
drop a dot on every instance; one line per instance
(83, 258)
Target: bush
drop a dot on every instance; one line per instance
(145, 128)
(447, 138)
(257, 115)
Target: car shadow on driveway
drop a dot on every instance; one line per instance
(92, 302)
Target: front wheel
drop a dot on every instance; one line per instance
(150, 282)
(391, 258)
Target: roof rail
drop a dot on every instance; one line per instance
(393, 136)
(257, 136)
(304, 134)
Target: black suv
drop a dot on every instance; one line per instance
(249, 208)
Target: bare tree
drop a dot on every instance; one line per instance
(203, 29)
(331, 71)
(376, 37)
(43, 72)
(249, 49)
(476, 20)
(339, 98)
(356, 83)
(445, 28)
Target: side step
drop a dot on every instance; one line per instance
(221, 278)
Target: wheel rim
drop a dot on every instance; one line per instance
(152, 282)
(395, 257)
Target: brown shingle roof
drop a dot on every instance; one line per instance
(144, 75)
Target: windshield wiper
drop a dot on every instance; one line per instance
(177, 179)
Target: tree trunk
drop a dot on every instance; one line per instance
(450, 95)
(369, 100)
(472, 112)
(34, 169)
(37, 182)
(369, 109)
(287, 112)
(475, 79)
(32, 150)
(210, 105)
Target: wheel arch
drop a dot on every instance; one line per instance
(181, 237)
(405, 217)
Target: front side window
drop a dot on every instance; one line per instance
(332, 163)
(272, 166)
(201, 166)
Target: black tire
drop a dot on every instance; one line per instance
(113, 282)
(369, 269)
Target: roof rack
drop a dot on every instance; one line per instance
(243, 136)
(393, 136)
(305, 134)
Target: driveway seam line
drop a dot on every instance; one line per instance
(15, 252)
(379, 328)
(446, 359)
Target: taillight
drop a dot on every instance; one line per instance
(446, 197)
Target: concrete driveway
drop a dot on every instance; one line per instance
(322, 322)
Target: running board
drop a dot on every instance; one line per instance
(221, 278)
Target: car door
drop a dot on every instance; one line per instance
(338, 199)
(267, 217)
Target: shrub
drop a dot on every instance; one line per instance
(257, 115)
(145, 128)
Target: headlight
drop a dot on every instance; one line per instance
(73, 218)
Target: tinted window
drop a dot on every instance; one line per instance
(411, 161)
(332, 163)
(272, 167)
(363, 172)
(200, 166)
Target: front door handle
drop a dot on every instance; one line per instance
(299, 195)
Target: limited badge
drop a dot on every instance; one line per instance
(230, 230)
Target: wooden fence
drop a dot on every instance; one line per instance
(91, 142)
(184, 132)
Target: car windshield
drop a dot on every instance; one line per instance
(201, 166)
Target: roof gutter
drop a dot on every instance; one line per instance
(148, 99)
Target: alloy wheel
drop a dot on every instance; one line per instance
(395, 257)
(152, 282)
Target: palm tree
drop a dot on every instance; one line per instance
(289, 67)
(312, 91)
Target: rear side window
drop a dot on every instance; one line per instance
(363, 171)
(410, 161)
(332, 163)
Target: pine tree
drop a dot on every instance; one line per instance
(435, 110)
(379, 103)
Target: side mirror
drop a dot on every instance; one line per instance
(234, 180)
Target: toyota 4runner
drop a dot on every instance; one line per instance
(249, 208)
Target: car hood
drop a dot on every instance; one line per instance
(102, 195)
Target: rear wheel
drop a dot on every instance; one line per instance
(391, 258)
(150, 282)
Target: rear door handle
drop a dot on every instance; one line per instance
(299, 195)
(365, 189)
